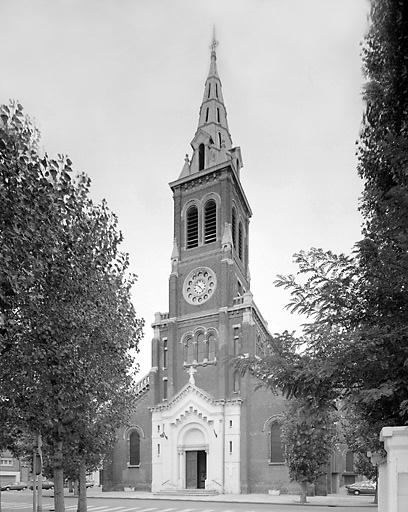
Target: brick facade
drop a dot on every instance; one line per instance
(192, 406)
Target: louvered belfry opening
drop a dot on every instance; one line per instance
(240, 241)
(233, 227)
(210, 222)
(192, 227)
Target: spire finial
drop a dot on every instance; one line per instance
(214, 42)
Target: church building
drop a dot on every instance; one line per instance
(198, 425)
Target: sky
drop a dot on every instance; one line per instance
(117, 86)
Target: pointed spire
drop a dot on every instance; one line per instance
(186, 168)
(212, 132)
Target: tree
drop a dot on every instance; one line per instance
(355, 341)
(383, 252)
(309, 430)
(68, 321)
(309, 435)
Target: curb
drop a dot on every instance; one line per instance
(244, 502)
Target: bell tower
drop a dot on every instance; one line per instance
(209, 283)
(211, 213)
(198, 421)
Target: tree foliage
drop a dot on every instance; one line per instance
(355, 341)
(68, 324)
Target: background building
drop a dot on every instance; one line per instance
(11, 469)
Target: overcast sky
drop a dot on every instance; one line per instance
(117, 85)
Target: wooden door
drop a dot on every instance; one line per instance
(191, 470)
(201, 469)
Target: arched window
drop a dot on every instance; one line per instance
(209, 89)
(185, 347)
(218, 115)
(134, 448)
(201, 346)
(192, 227)
(206, 114)
(210, 222)
(190, 350)
(201, 157)
(216, 90)
(211, 347)
(240, 240)
(276, 449)
(234, 227)
(219, 138)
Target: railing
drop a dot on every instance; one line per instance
(236, 301)
(159, 317)
(142, 385)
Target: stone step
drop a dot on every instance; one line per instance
(186, 492)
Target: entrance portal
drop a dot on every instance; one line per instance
(196, 469)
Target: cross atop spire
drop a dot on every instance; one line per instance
(214, 42)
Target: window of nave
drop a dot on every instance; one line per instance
(133, 436)
(199, 347)
(276, 449)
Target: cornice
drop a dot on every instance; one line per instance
(216, 169)
(192, 388)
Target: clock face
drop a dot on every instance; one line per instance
(199, 285)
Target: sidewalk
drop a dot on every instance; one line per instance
(333, 500)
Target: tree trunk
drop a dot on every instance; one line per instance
(34, 480)
(59, 505)
(39, 495)
(303, 492)
(82, 487)
(376, 489)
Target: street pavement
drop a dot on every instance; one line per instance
(14, 501)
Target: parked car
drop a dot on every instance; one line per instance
(16, 486)
(46, 484)
(364, 487)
